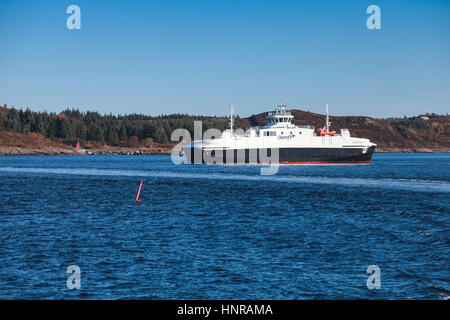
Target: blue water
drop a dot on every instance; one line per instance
(224, 232)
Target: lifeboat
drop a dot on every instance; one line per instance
(323, 132)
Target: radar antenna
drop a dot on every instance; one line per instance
(231, 118)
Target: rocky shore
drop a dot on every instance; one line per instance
(68, 152)
(36, 152)
(126, 152)
(162, 151)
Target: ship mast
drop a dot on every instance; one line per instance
(231, 118)
(327, 121)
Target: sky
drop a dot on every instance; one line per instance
(198, 57)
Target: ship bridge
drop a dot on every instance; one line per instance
(280, 117)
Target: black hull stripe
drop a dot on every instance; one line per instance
(286, 155)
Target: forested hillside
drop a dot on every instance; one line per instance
(110, 129)
(430, 131)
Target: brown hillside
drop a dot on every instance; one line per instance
(31, 140)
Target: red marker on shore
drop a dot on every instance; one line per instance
(139, 192)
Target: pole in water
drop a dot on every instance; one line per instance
(139, 192)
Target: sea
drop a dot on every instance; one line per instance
(71, 228)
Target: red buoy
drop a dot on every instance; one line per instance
(139, 191)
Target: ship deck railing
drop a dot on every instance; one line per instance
(257, 128)
(279, 113)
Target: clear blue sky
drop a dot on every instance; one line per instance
(198, 57)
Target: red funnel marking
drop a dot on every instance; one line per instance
(139, 192)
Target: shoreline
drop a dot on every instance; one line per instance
(96, 152)
(75, 152)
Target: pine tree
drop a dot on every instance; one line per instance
(123, 132)
(13, 122)
(95, 133)
(2, 121)
(111, 136)
(62, 128)
(80, 130)
(160, 135)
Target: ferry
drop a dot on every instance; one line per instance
(281, 142)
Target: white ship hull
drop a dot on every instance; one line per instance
(281, 142)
